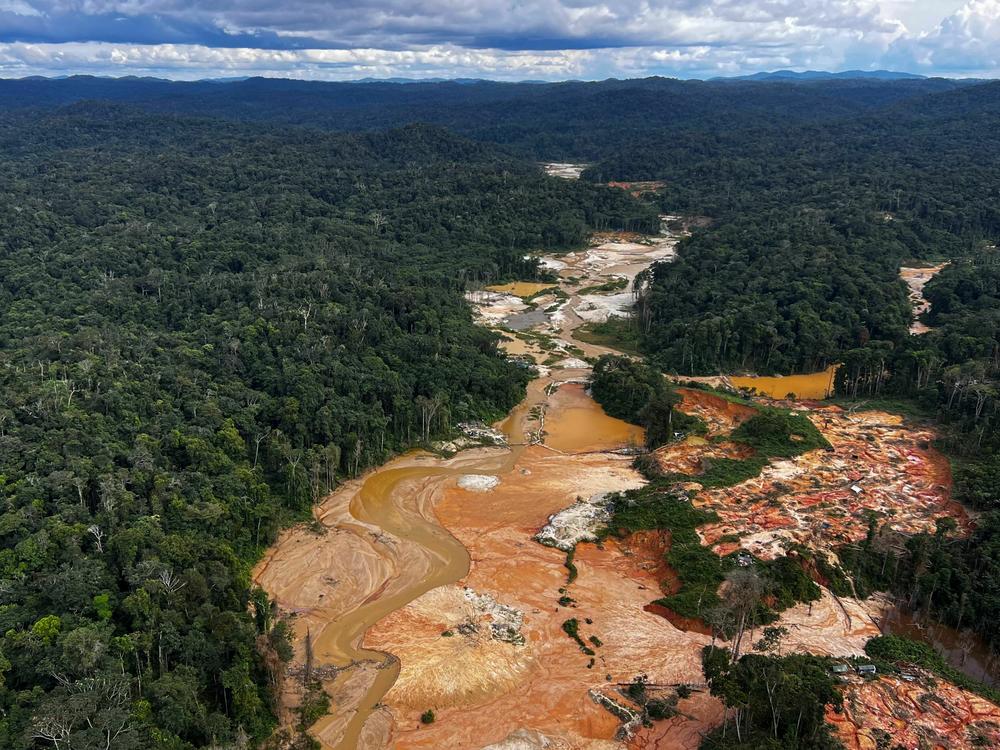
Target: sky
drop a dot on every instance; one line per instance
(497, 39)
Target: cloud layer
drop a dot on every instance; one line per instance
(504, 39)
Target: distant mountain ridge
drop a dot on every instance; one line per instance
(825, 75)
(567, 121)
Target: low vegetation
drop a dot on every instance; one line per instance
(720, 472)
(615, 333)
(572, 628)
(615, 285)
(700, 571)
(774, 433)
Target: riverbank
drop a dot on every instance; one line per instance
(428, 591)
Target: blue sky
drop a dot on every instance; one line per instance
(500, 39)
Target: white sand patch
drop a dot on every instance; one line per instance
(526, 739)
(597, 308)
(769, 544)
(626, 259)
(564, 170)
(505, 622)
(478, 482)
(551, 263)
(579, 522)
(785, 469)
(494, 307)
(572, 363)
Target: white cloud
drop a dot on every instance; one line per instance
(184, 61)
(965, 43)
(506, 39)
(535, 23)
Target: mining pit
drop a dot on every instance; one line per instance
(443, 584)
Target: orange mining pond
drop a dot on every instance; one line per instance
(814, 385)
(520, 288)
(577, 424)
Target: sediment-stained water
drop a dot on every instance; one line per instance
(520, 288)
(430, 593)
(577, 424)
(816, 385)
(409, 553)
(962, 649)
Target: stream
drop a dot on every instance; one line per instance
(398, 501)
(383, 547)
(961, 649)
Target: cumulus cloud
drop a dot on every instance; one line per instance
(534, 24)
(187, 61)
(507, 39)
(965, 43)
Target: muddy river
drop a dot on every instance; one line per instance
(379, 503)
(384, 546)
(962, 649)
(578, 424)
(422, 585)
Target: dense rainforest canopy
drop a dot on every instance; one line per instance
(218, 299)
(572, 120)
(204, 327)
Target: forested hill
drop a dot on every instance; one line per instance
(204, 327)
(810, 223)
(798, 268)
(216, 302)
(569, 120)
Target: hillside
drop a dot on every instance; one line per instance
(551, 121)
(206, 329)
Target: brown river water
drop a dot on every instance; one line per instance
(383, 548)
(962, 649)
(578, 424)
(388, 499)
(378, 503)
(816, 385)
(394, 505)
(398, 500)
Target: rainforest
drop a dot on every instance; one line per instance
(469, 415)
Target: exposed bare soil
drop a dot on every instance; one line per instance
(916, 279)
(925, 713)
(426, 588)
(821, 499)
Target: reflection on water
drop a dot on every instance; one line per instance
(962, 649)
(814, 385)
(391, 498)
(575, 423)
(525, 320)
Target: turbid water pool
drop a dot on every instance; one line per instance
(816, 385)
